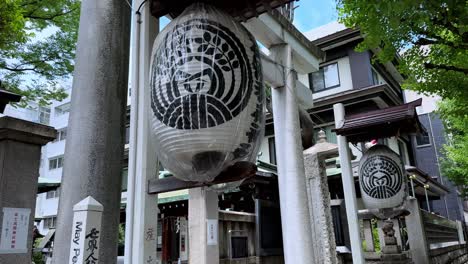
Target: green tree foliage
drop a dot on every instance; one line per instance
(37, 257)
(454, 112)
(37, 46)
(432, 38)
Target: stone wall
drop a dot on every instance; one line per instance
(457, 254)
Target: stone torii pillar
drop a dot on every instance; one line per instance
(323, 235)
(96, 132)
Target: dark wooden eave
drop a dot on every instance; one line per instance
(6, 97)
(382, 123)
(237, 172)
(239, 9)
(338, 38)
(436, 189)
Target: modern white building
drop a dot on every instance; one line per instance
(51, 165)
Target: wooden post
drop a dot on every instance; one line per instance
(86, 232)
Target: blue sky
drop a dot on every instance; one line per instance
(314, 13)
(309, 14)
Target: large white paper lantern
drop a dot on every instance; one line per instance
(382, 178)
(207, 96)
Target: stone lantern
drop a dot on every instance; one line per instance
(319, 199)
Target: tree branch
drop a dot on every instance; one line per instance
(439, 41)
(18, 69)
(445, 67)
(446, 23)
(35, 2)
(50, 17)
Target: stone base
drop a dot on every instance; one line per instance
(395, 259)
(391, 249)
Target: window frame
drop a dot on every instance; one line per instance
(58, 160)
(50, 222)
(311, 82)
(58, 111)
(60, 134)
(272, 151)
(53, 193)
(127, 134)
(375, 77)
(50, 194)
(44, 115)
(423, 145)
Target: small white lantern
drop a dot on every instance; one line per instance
(382, 178)
(207, 95)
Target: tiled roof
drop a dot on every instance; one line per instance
(382, 123)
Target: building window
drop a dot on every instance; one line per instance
(55, 163)
(44, 115)
(272, 150)
(50, 194)
(327, 77)
(375, 77)
(423, 139)
(124, 179)
(61, 135)
(127, 135)
(53, 194)
(50, 222)
(62, 109)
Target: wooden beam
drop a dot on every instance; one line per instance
(238, 171)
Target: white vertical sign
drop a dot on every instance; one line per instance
(86, 232)
(183, 241)
(15, 230)
(212, 232)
